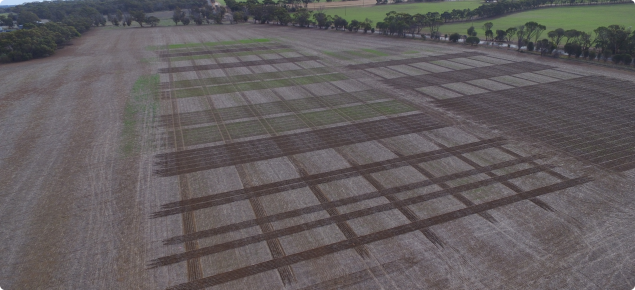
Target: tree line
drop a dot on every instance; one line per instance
(615, 42)
(69, 19)
(36, 42)
(505, 6)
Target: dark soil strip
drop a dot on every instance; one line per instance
(170, 164)
(344, 227)
(404, 210)
(374, 237)
(226, 50)
(396, 204)
(271, 188)
(458, 196)
(334, 204)
(587, 117)
(412, 82)
(413, 60)
(194, 269)
(236, 64)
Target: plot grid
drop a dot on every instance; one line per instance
(282, 160)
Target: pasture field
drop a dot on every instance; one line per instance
(582, 18)
(377, 13)
(267, 157)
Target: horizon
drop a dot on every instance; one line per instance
(15, 2)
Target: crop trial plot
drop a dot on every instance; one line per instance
(339, 173)
(251, 159)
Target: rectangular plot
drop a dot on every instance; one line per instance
(271, 56)
(235, 113)
(201, 135)
(408, 70)
(371, 95)
(339, 99)
(287, 66)
(535, 78)
(186, 83)
(261, 96)
(350, 85)
(359, 112)
(333, 77)
(234, 71)
(250, 86)
(305, 104)
(192, 104)
(193, 92)
(286, 123)
(322, 89)
(430, 67)
(385, 73)
(292, 93)
(307, 80)
(465, 89)
(471, 62)
(204, 61)
(321, 118)
(439, 92)
(222, 89)
(271, 108)
(227, 100)
(227, 59)
(451, 65)
(512, 81)
(290, 54)
(558, 74)
(249, 58)
(309, 64)
(392, 107)
(490, 85)
(245, 129)
(489, 59)
(212, 73)
(272, 84)
(263, 68)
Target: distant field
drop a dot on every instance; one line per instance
(378, 12)
(580, 18)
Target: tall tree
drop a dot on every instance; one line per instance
(177, 15)
(138, 16)
(27, 17)
(488, 26)
(520, 34)
(511, 32)
(556, 36)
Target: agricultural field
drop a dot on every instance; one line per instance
(377, 13)
(267, 157)
(581, 18)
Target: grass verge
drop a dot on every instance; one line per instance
(138, 115)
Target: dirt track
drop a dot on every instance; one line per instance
(312, 160)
